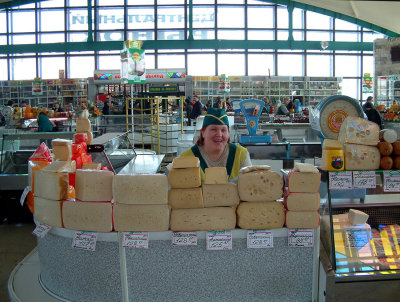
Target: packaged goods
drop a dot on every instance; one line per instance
(332, 160)
(302, 220)
(357, 217)
(48, 211)
(207, 219)
(80, 138)
(388, 135)
(260, 186)
(141, 189)
(146, 218)
(260, 215)
(216, 175)
(255, 168)
(51, 185)
(89, 136)
(359, 157)
(62, 149)
(220, 195)
(185, 178)
(61, 166)
(83, 125)
(91, 166)
(186, 198)
(302, 201)
(79, 148)
(355, 130)
(303, 182)
(185, 162)
(93, 185)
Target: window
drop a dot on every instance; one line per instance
(261, 64)
(171, 61)
(231, 64)
(81, 67)
(230, 17)
(290, 65)
(201, 64)
(319, 66)
(49, 67)
(347, 66)
(23, 68)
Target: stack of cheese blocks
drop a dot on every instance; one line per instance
(83, 125)
(195, 208)
(141, 202)
(259, 189)
(302, 198)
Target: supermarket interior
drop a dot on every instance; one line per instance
(199, 150)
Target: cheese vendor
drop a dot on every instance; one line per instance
(213, 148)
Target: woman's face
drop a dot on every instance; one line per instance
(216, 137)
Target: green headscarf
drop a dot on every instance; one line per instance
(215, 116)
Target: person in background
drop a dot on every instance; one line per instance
(188, 109)
(106, 108)
(2, 119)
(196, 111)
(10, 103)
(373, 115)
(57, 108)
(213, 148)
(217, 103)
(282, 109)
(44, 123)
(370, 100)
(297, 105)
(23, 104)
(289, 104)
(228, 105)
(267, 106)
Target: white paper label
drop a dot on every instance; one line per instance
(364, 180)
(301, 237)
(24, 194)
(357, 238)
(137, 240)
(184, 238)
(41, 230)
(340, 180)
(85, 241)
(257, 239)
(219, 240)
(391, 181)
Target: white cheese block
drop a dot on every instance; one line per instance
(303, 182)
(87, 216)
(357, 217)
(302, 201)
(207, 219)
(186, 198)
(51, 185)
(91, 166)
(184, 178)
(62, 149)
(61, 166)
(304, 167)
(260, 186)
(141, 189)
(48, 211)
(83, 125)
(254, 168)
(332, 144)
(215, 175)
(358, 157)
(146, 218)
(93, 185)
(302, 220)
(185, 162)
(260, 215)
(225, 195)
(356, 130)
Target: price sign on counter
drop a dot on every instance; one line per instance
(364, 179)
(301, 237)
(41, 230)
(391, 181)
(184, 238)
(340, 180)
(257, 239)
(219, 240)
(137, 240)
(357, 238)
(85, 241)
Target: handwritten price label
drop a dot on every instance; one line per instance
(219, 240)
(364, 179)
(391, 180)
(301, 237)
(356, 238)
(184, 238)
(85, 241)
(340, 180)
(137, 240)
(258, 239)
(41, 230)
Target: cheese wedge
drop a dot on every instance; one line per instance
(225, 195)
(62, 149)
(260, 215)
(358, 157)
(93, 185)
(83, 125)
(186, 198)
(215, 175)
(48, 211)
(357, 217)
(185, 162)
(302, 201)
(61, 166)
(260, 186)
(356, 130)
(51, 185)
(185, 178)
(302, 220)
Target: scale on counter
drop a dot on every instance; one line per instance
(252, 109)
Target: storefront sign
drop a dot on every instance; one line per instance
(364, 180)
(219, 240)
(137, 240)
(257, 239)
(184, 238)
(41, 230)
(158, 89)
(85, 241)
(301, 237)
(37, 88)
(340, 180)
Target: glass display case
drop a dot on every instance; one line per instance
(388, 89)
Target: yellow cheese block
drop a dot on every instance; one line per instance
(141, 189)
(93, 185)
(185, 178)
(260, 186)
(146, 218)
(83, 125)
(302, 201)
(306, 182)
(358, 157)
(216, 175)
(302, 220)
(51, 185)
(185, 162)
(356, 130)
(48, 211)
(62, 149)
(61, 166)
(91, 166)
(260, 215)
(332, 144)
(186, 198)
(220, 195)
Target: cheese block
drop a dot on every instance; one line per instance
(51, 185)
(83, 125)
(302, 201)
(207, 219)
(358, 157)
(357, 217)
(61, 166)
(254, 168)
(141, 189)
(260, 186)
(185, 162)
(260, 215)
(87, 216)
(186, 198)
(91, 166)
(215, 175)
(93, 185)
(304, 167)
(146, 218)
(302, 220)
(185, 178)
(356, 130)
(48, 211)
(307, 182)
(332, 144)
(62, 149)
(224, 195)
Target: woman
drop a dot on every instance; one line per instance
(213, 148)
(44, 123)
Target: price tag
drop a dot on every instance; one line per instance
(391, 181)
(85, 241)
(356, 238)
(41, 230)
(137, 240)
(301, 237)
(340, 180)
(219, 240)
(364, 179)
(258, 239)
(184, 238)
